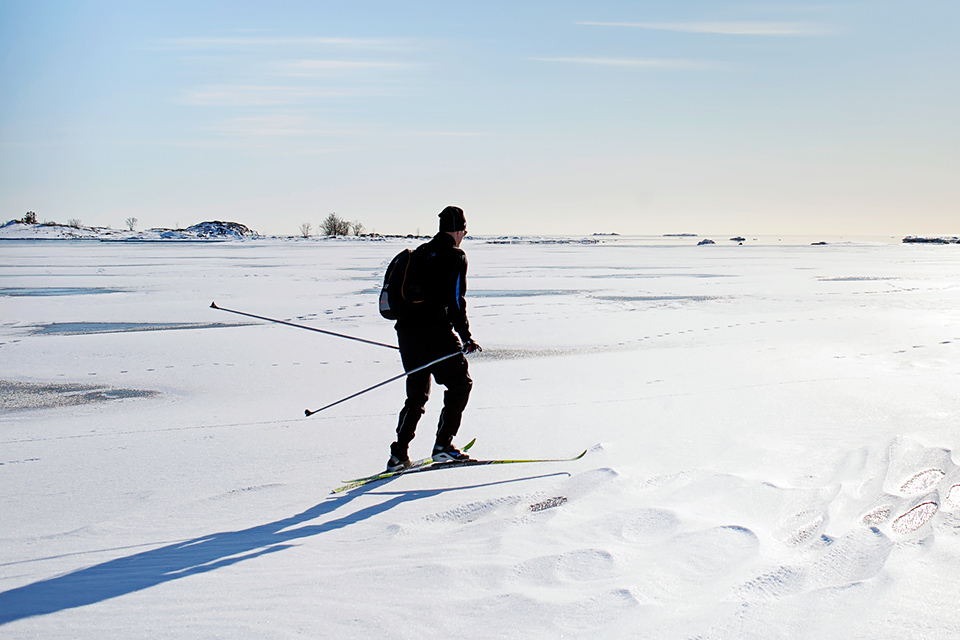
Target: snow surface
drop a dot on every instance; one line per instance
(770, 430)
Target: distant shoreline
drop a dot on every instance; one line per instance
(219, 232)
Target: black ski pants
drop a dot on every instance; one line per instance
(420, 345)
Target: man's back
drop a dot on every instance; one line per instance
(439, 267)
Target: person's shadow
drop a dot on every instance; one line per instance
(199, 555)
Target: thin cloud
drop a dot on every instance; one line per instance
(442, 134)
(641, 63)
(294, 125)
(274, 125)
(259, 42)
(310, 68)
(730, 28)
(253, 95)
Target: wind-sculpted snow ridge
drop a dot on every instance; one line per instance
(843, 543)
(699, 554)
(577, 558)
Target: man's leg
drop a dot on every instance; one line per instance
(418, 391)
(456, 378)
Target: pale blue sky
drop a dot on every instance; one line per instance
(535, 117)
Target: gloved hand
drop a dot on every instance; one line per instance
(470, 346)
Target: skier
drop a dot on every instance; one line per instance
(427, 333)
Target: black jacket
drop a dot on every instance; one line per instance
(441, 268)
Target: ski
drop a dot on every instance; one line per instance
(446, 465)
(413, 465)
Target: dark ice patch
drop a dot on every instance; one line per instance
(18, 396)
(520, 293)
(657, 298)
(855, 279)
(29, 292)
(82, 328)
(657, 276)
(517, 353)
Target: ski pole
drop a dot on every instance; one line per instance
(213, 305)
(308, 412)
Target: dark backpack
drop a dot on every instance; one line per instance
(401, 286)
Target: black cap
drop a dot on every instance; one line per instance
(452, 219)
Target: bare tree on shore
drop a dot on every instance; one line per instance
(334, 225)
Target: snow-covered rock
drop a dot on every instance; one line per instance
(218, 229)
(18, 230)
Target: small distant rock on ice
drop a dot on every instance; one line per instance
(705, 241)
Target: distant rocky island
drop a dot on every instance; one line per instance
(934, 240)
(209, 230)
(219, 231)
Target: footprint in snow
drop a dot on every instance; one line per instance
(586, 615)
(473, 511)
(585, 483)
(802, 527)
(581, 565)
(643, 525)
(857, 556)
(709, 553)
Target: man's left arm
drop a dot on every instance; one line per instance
(459, 313)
